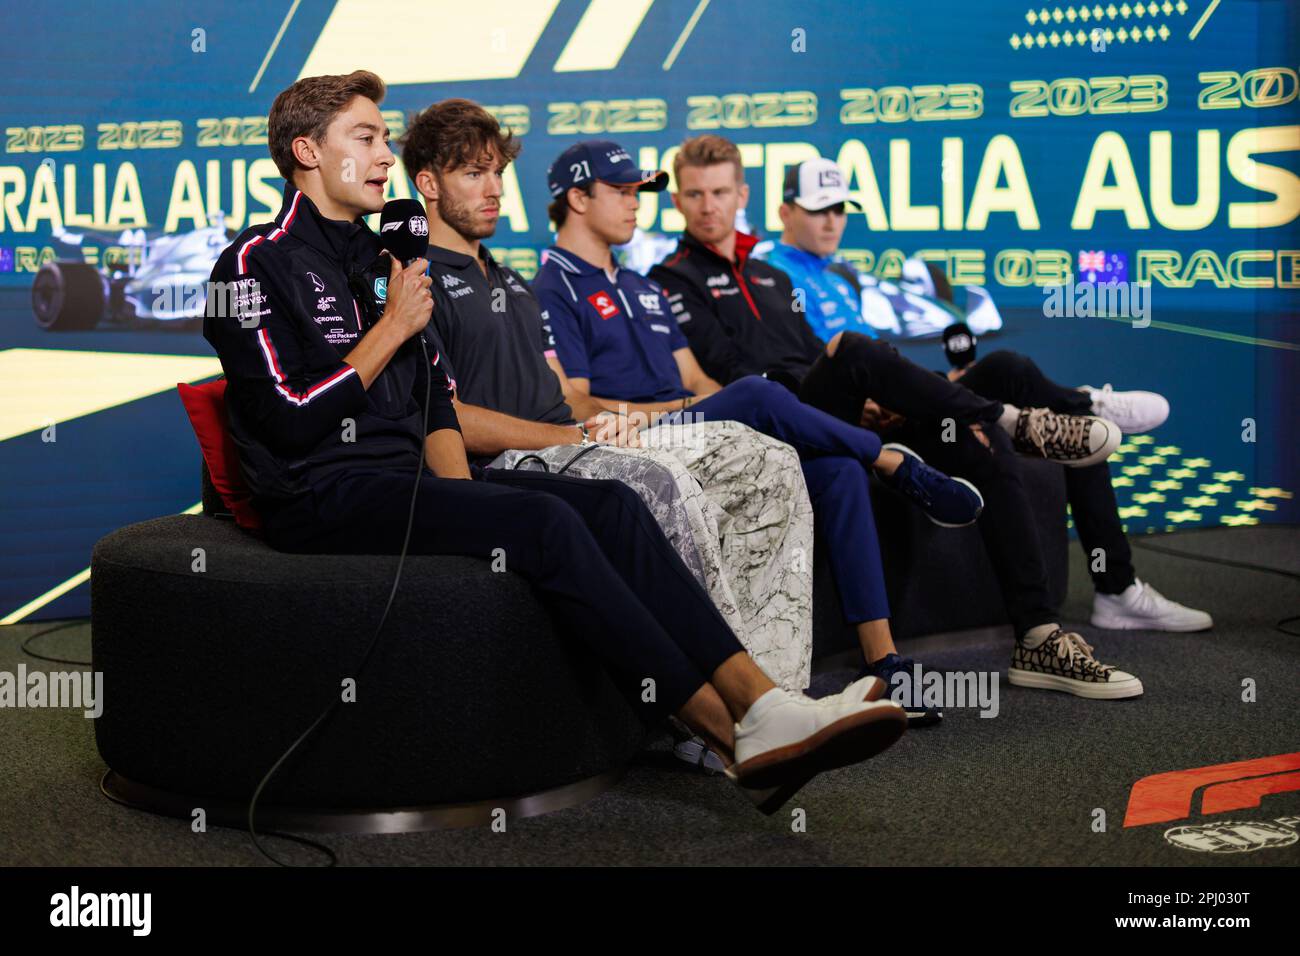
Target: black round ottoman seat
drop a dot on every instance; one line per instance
(218, 652)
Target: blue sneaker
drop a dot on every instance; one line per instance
(902, 689)
(948, 502)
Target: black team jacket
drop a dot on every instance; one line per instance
(742, 317)
(288, 301)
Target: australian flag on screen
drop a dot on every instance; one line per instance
(1102, 266)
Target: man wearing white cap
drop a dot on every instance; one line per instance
(813, 214)
(839, 297)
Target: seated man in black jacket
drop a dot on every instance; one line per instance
(742, 317)
(335, 407)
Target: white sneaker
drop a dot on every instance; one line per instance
(1140, 607)
(868, 688)
(787, 739)
(1133, 412)
(771, 799)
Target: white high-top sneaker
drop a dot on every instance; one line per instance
(1133, 412)
(1140, 607)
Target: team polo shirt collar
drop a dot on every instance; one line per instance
(459, 260)
(575, 264)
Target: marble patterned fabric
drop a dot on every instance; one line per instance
(733, 504)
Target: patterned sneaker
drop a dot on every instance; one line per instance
(1074, 440)
(1141, 607)
(900, 689)
(1133, 412)
(948, 502)
(1064, 661)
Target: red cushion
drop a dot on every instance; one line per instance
(206, 405)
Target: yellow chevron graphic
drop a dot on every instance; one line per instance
(430, 41)
(435, 41)
(602, 35)
(42, 387)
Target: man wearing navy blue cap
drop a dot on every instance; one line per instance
(616, 338)
(600, 160)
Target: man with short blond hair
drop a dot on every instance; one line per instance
(741, 316)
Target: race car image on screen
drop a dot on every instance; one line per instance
(923, 303)
(920, 304)
(140, 281)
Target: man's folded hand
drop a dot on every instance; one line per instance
(609, 428)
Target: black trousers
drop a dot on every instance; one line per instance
(591, 548)
(1015, 379)
(863, 368)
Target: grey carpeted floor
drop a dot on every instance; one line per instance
(1020, 788)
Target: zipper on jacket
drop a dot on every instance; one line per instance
(740, 281)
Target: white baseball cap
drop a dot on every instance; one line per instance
(816, 184)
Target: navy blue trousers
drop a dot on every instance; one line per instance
(836, 460)
(591, 548)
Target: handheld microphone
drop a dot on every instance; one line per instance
(959, 344)
(404, 230)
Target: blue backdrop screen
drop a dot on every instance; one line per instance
(1024, 148)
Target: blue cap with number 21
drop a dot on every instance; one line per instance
(600, 159)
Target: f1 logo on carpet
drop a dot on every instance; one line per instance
(1163, 797)
(604, 304)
